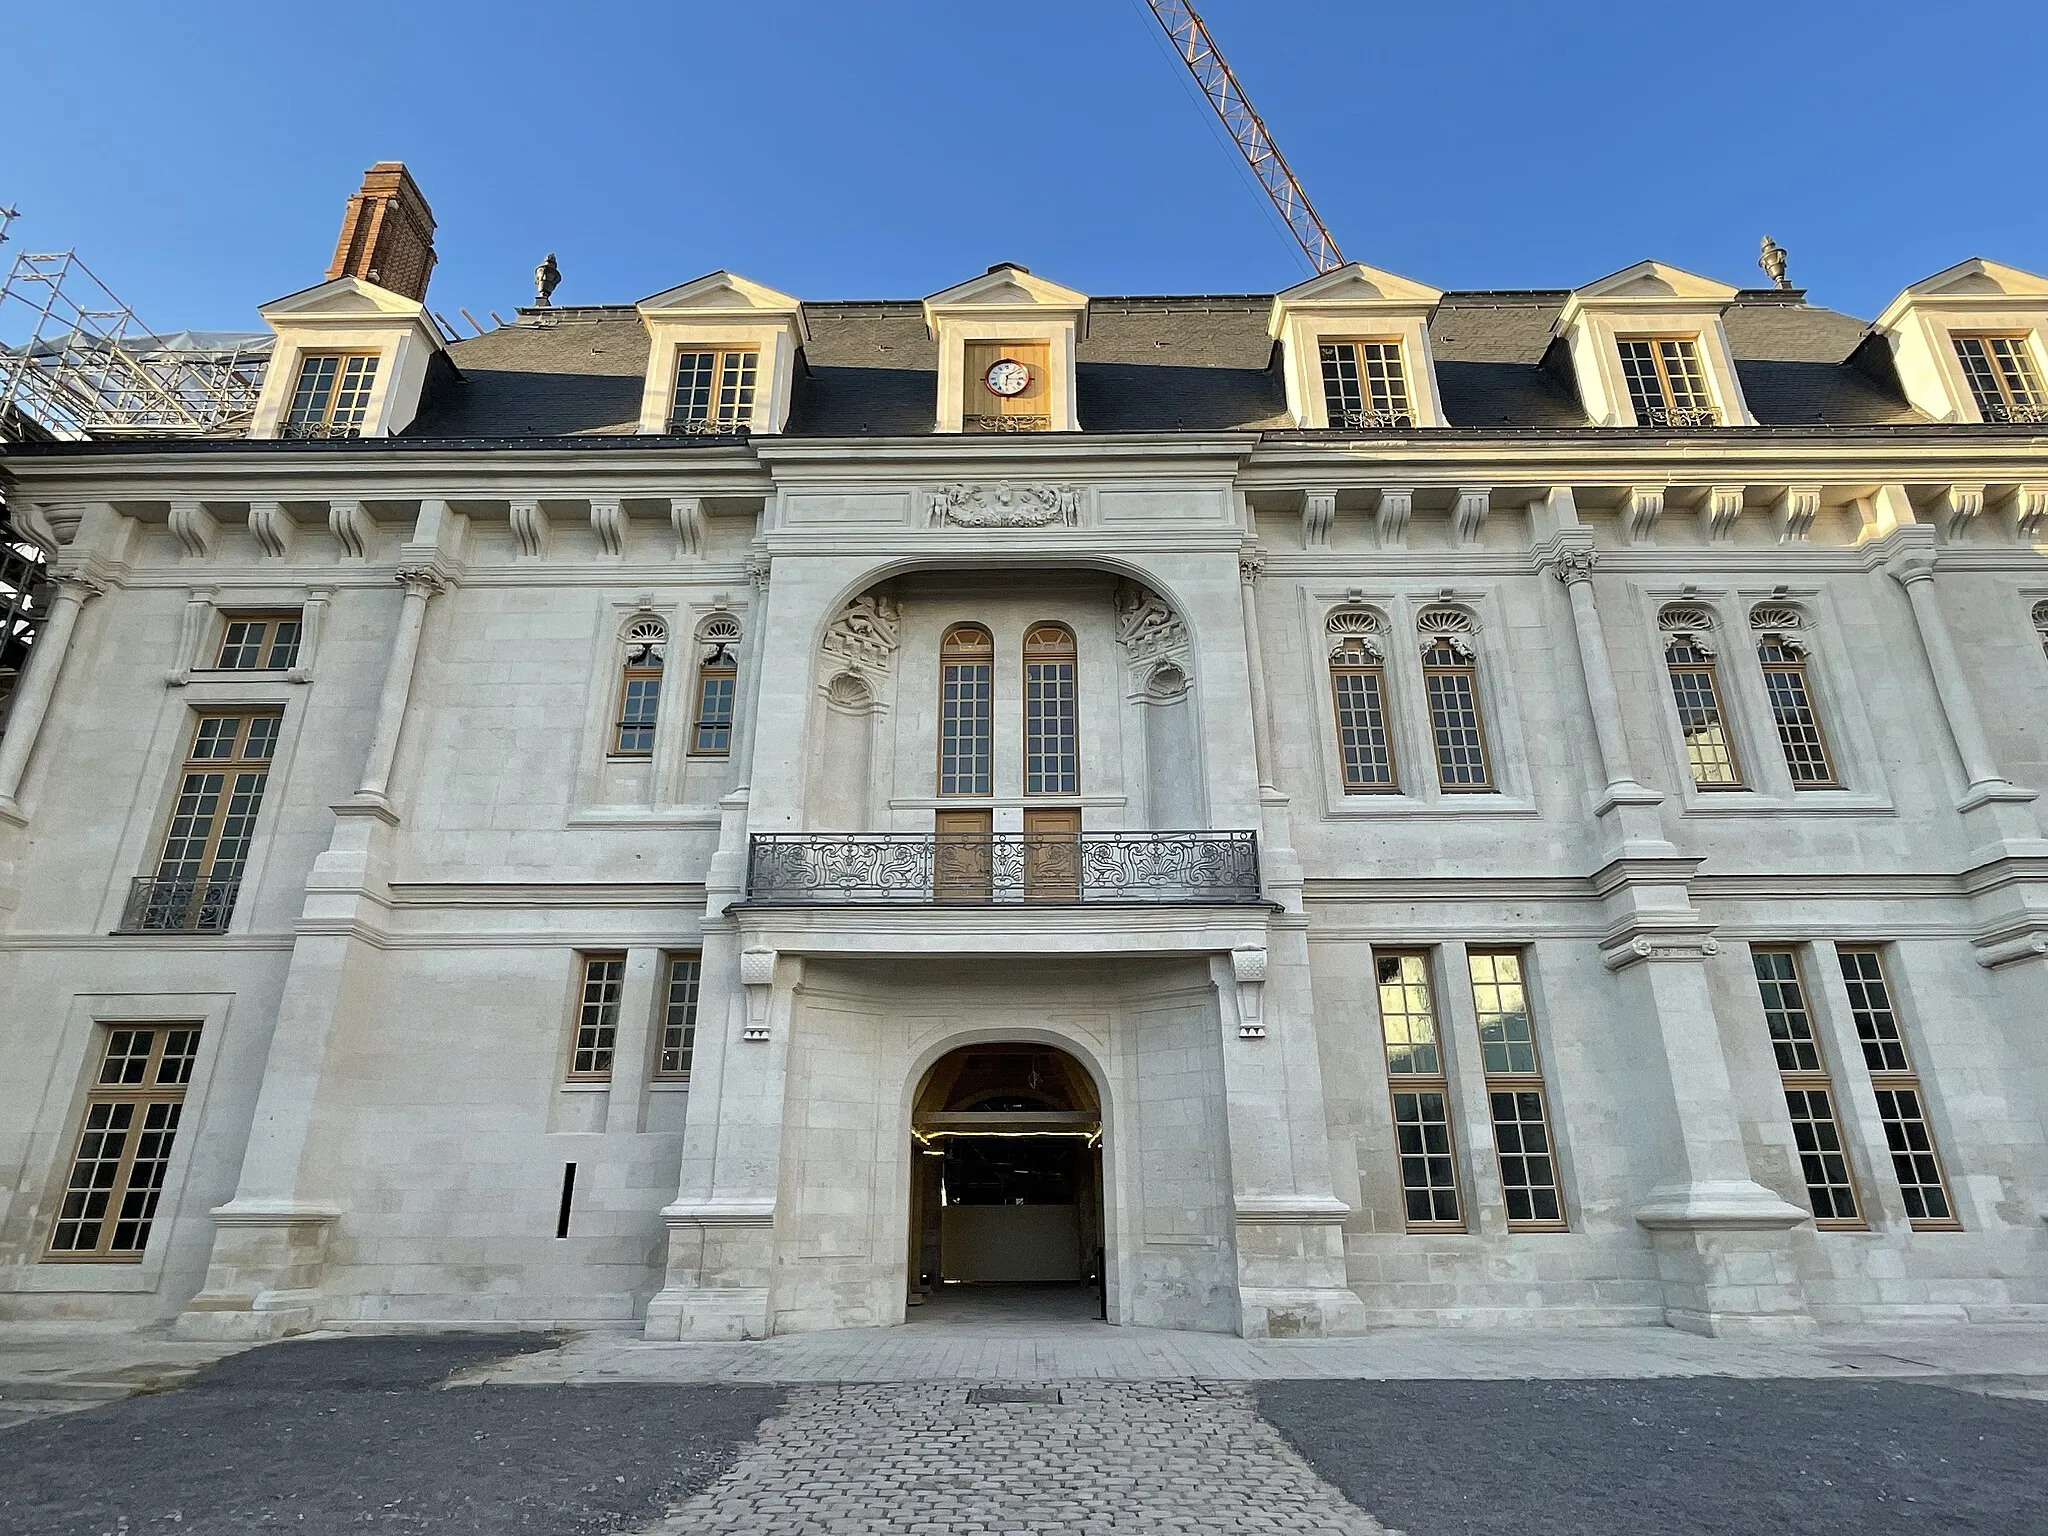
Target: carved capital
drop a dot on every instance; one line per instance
(1251, 565)
(1911, 566)
(758, 570)
(421, 581)
(80, 586)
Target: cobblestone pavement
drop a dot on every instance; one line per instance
(1106, 1459)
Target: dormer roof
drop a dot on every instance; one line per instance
(1353, 289)
(721, 296)
(1648, 286)
(345, 302)
(1974, 284)
(1005, 289)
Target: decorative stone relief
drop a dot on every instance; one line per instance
(1166, 683)
(1719, 511)
(1248, 965)
(1003, 505)
(1793, 513)
(1251, 565)
(1456, 627)
(1571, 563)
(194, 528)
(1640, 513)
(1318, 513)
(274, 528)
(1673, 948)
(1693, 625)
(1780, 624)
(530, 527)
(350, 525)
(1469, 513)
(865, 634)
(1390, 518)
(1356, 633)
(1146, 626)
(757, 975)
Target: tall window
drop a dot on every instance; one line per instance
(1052, 751)
(1420, 1092)
(1782, 652)
(679, 1018)
(714, 391)
(332, 396)
(220, 792)
(718, 671)
(597, 1018)
(640, 689)
(1450, 678)
(1666, 384)
(1916, 1160)
(124, 1142)
(1364, 384)
(2002, 378)
(1696, 690)
(259, 642)
(1809, 1092)
(2041, 625)
(966, 711)
(1358, 688)
(1514, 1091)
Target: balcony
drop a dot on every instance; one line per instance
(1375, 416)
(1006, 423)
(179, 906)
(1677, 416)
(2009, 412)
(1003, 869)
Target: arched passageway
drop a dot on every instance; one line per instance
(1006, 1207)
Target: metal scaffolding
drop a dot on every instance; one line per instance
(24, 593)
(75, 362)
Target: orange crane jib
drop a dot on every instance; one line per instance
(1205, 61)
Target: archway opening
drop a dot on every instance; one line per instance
(1006, 1209)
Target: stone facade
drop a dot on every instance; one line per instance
(385, 1094)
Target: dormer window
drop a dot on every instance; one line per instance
(1364, 385)
(1008, 389)
(714, 391)
(2002, 378)
(1666, 384)
(332, 397)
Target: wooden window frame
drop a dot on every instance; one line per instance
(1389, 386)
(954, 707)
(1055, 699)
(1805, 1081)
(717, 664)
(1420, 1085)
(675, 1042)
(1792, 666)
(2001, 401)
(1705, 665)
(1890, 1063)
(143, 1093)
(735, 371)
(1518, 1083)
(266, 647)
(645, 662)
(1466, 667)
(2039, 615)
(186, 802)
(1354, 658)
(292, 424)
(594, 1031)
(1700, 409)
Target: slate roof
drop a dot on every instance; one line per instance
(1147, 364)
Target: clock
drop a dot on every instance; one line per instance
(1007, 377)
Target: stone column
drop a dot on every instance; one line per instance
(1914, 570)
(421, 583)
(38, 685)
(1571, 561)
(1251, 567)
(1277, 859)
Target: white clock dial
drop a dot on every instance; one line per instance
(1007, 377)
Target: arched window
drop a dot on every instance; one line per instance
(1782, 651)
(1358, 687)
(2041, 624)
(966, 711)
(1450, 678)
(718, 670)
(640, 689)
(1052, 743)
(1696, 689)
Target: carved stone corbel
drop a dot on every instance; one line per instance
(1318, 513)
(2027, 508)
(350, 525)
(1792, 514)
(608, 522)
(275, 528)
(1469, 512)
(1248, 965)
(530, 527)
(1961, 506)
(194, 528)
(757, 975)
(191, 632)
(1719, 511)
(1641, 512)
(686, 516)
(1390, 517)
(32, 521)
(312, 619)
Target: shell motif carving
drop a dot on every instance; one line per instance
(1452, 626)
(1352, 630)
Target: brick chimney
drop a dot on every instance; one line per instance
(387, 235)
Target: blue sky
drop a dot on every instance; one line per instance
(198, 156)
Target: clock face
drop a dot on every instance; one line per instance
(1007, 378)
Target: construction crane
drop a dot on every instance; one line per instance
(1197, 49)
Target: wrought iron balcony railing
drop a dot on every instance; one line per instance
(1000, 868)
(1007, 423)
(708, 426)
(1377, 416)
(1678, 416)
(179, 906)
(310, 431)
(2007, 411)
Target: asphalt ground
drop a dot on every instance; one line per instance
(1705, 1455)
(351, 1435)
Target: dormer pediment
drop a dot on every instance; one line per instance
(1648, 348)
(741, 339)
(1997, 314)
(1355, 350)
(381, 342)
(1012, 316)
